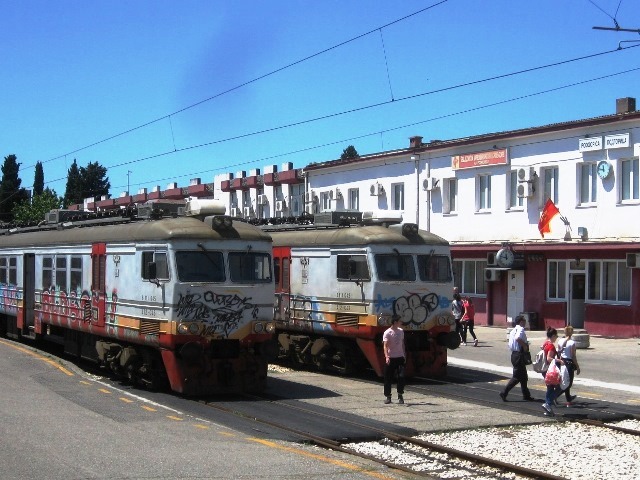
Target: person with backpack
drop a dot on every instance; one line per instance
(567, 349)
(457, 310)
(519, 345)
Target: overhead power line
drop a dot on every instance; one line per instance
(345, 140)
(249, 82)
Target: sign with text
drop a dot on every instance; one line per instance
(590, 144)
(617, 141)
(479, 159)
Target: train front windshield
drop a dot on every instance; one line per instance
(395, 268)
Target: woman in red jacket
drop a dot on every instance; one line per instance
(467, 321)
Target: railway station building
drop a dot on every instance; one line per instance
(486, 194)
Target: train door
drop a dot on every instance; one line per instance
(98, 283)
(515, 295)
(28, 292)
(282, 278)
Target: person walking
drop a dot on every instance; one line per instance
(395, 359)
(468, 320)
(551, 354)
(457, 310)
(518, 344)
(567, 349)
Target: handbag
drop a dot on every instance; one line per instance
(565, 379)
(552, 377)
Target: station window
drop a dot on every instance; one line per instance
(514, 202)
(549, 184)
(468, 276)
(354, 198)
(352, 268)
(8, 270)
(556, 279)
(608, 281)
(629, 180)
(450, 195)
(397, 196)
(588, 184)
(483, 192)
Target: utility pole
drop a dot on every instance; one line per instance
(129, 172)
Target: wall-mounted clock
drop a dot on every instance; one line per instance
(505, 257)
(604, 169)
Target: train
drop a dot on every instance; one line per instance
(340, 277)
(165, 294)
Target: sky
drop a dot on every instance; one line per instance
(166, 91)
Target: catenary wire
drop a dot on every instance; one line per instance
(342, 141)
(248, 82)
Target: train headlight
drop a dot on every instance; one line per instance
(258, 327)
(188, 328)
(217, 222)
(228, 221)
(271, 327)
(183, 328)
(409, 229)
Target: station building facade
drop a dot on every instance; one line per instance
(485, 195)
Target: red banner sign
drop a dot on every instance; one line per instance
(479, 159)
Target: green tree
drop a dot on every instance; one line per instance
(35, 210)
(95, 183)
(38, 180)
(11, 193)
(73, 190)
(349, 152)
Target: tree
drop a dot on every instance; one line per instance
(349, 152)
(38, 180)
(73, 190)
(35, 210)
(94, 180)
(11, 193)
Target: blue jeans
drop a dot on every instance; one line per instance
(552, 393)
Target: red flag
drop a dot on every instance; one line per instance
(548, 212)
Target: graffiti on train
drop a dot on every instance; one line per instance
(305, 314)
(414, 309)
(59, 306)
(221, 314)
(9, 298)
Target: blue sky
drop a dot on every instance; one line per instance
(178, 76)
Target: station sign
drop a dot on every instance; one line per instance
(616, 141)
(479, 159)
(590, 144)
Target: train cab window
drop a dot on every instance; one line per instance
(434, 268)
(205, 266)
(353, 267)
(249, 267)
(76, 273)
(161, 265)
(395, 268)
(8, 270)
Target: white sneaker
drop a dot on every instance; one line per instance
(475, 342)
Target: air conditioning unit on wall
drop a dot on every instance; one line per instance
(430, 183)
(633, 260)
(262, 200)
(235, 212)
(247, 212)
(492, 275)
(491, 259)
(280, 205)
(526, 190)
(526, 174)
(376, 189)
(335, 194)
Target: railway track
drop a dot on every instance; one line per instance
(431, 457)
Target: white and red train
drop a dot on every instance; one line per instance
(340, 279)
(171, 293)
